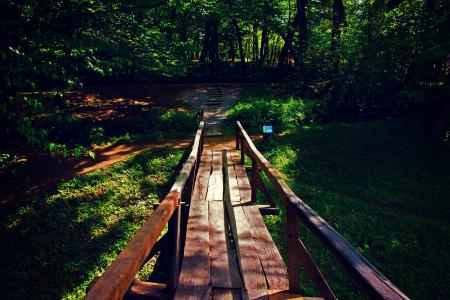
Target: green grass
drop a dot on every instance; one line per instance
(384, 188)
(52, 247)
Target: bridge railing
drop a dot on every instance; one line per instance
(371, 281)
(118, 277)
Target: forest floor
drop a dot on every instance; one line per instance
(41, 171)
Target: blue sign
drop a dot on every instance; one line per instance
(267, 129)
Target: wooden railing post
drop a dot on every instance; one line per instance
(242, 153)
(293, 251)
(254, 180)
(174, 248)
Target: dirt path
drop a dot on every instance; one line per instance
(43, 171)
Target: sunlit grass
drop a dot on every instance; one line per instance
(54, 246)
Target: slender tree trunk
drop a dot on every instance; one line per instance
(338, 22)
(206, 43)
(264, 44)
(239, 40)
(302, 27)
(255, 41)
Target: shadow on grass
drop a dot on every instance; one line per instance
(384, 188)
(55, 245)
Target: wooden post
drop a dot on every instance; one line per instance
(254, 180)
(293, 251)
(237, 138)
(174, 248)
(242, 153)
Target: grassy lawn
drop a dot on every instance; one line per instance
(384, 188)
(381, 184)
(52, 247)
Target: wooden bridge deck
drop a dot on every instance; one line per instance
(229, 253)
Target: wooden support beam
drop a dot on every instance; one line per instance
(141, 290)
(314, 273)
(268, 210)
(293, 252)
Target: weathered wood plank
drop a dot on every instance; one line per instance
(271, 261)
(195, 269)
(203, 174)
(215, 185)
(232, 180)
(249, 264)
(245, 190)
(273, 265)
(224, 267)
(227, 294)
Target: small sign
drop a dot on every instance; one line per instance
(267, 129)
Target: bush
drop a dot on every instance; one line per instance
(262, 107)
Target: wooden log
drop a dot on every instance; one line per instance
(370, 279)
(117, 278)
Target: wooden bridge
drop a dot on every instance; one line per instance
(219, 245)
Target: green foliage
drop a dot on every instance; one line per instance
(62, 241)
(383, 188)
(260, 107)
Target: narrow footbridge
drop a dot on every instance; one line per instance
(219, 245)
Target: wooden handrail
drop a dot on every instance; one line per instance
(118, 277)
(370, 280)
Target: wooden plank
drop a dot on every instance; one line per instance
(370, 279)
(116, 280)
(249, 264)
(234, 193)
(203, 174)
(283, 295)
(147, 290)
(224, 267)
(195, 269)
(227, 294)
(215, 185)
(271, 261)
(245, 190)
(273, 265)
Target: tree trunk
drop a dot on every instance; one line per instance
(255, 41)
(264, 44)
(338, 22)
(206, 44)
(239, 40)
(302, 25)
